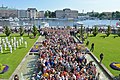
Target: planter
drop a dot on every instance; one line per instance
(115, 66)
(35, 48)
(5, 69)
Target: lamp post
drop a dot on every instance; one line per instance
(58, 25)
(3, 21)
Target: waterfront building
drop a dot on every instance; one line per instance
(6, 12)
(66, 13)
(40, 14)
(59, 13)
(31, 13)
(22, 13)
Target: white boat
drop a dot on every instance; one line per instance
(44, 24)
(14, 24)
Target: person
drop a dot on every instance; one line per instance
(16, 77)
(101, 57)
(87, 43)
(97, 76)
(92, 47)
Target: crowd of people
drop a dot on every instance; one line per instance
(63, 58)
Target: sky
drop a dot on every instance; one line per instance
(52, 5)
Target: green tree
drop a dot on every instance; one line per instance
(118, 32)
(102, 16)
(113, 15)
(68, 27)
(7, 31)
(46, 14)
(49, 14)
(94, 14)
(81, 30)
(95, 31)
(108, 32)
(34, 31)
(21, 30)
(53, 15)
(117, 14)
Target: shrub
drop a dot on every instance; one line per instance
(108, 32)
(21, 30)
(7, 31)
(118, 32)
(95, 31)
(81, 31)
(68, 27)
(34, 31)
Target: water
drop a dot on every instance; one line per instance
(52, 22)
(89, 23)
(99, 22)
(86, 23)
(58, 22)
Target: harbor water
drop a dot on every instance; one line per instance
(59, 22)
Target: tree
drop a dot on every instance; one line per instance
(108, 32)
(102, 15)
(46, 14)
(117, 14)
(34, 31)
(118, 32)
(95, 31)
(21, 30)
(49, 14)
(113, 15)
(7, 31)
(68, 27)
(53, 15)
(80, 33)
(94, 14)
(81, 30)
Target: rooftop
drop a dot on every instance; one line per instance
(6, 8)
(32, 9)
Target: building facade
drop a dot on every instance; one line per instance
(40, 14)
(60, 13)
(32, 13)
(6, 12)
(22, 13)
(66, 13)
